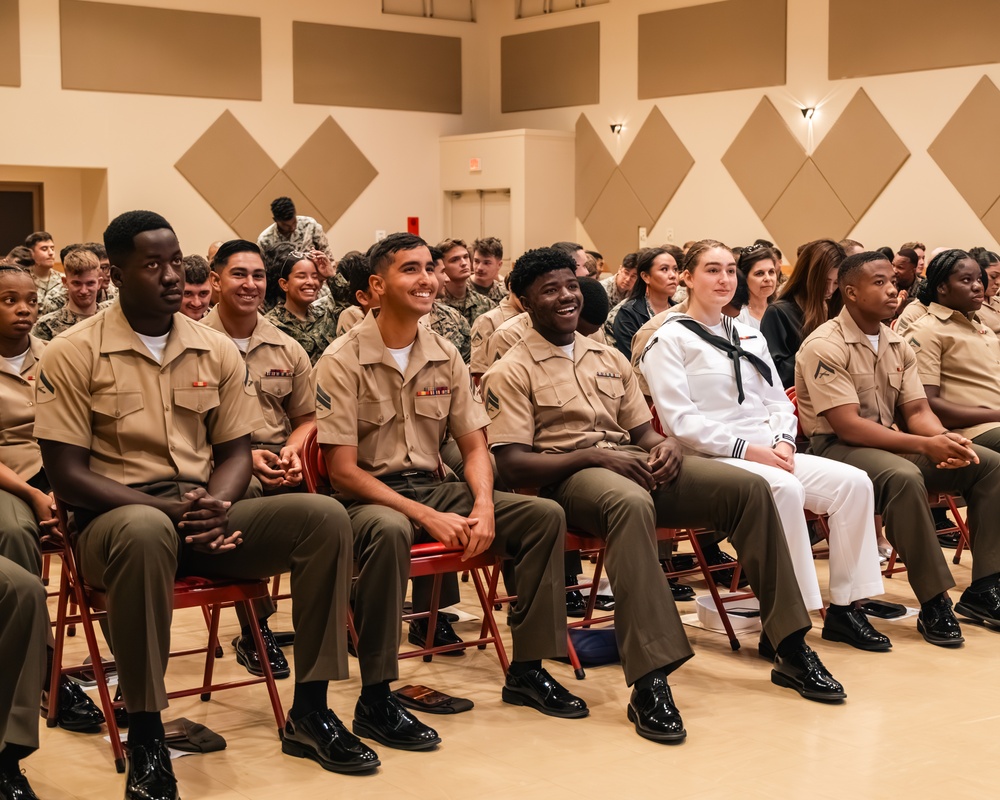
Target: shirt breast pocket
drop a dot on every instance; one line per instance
(116, 422)
(375, 429)
(553, 401)
(191, 406)
(431, 422)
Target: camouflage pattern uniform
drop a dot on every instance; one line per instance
(447, 322)
(49, 291)
(57, 298)
(54, 323)
(615, 295)
(308, 235)
(496, 292)
(471, 306)
(315, 332)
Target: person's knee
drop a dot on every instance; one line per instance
(321, 513)
(905, 479)
(390, 532)
(144, 531)
(786, 488)
(550, 519)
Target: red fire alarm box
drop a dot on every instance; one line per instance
(413, 225)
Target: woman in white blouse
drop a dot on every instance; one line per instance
(717, 391)
(759, 265)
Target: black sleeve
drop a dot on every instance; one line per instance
(627, 322)
(784, 336)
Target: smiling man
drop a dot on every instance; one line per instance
(457, 292)
(487, 258)
(144, 420)
(861, 402)
(382, 451)
(82, 281)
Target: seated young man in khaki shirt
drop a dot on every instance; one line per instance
(386, 394)
(144, 420)
(861, 401)
(567, 417)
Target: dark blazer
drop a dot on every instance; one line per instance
(782, 328)
(630, 317)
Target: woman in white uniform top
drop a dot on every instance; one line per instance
(717, 391)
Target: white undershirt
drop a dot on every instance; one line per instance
(243, 344)
(873, 341)
(155, 344)
(402, 356)
(568, 349)
(17, 362)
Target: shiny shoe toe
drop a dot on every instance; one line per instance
(654, 714)
(805, 673)
(852, 627)
(937, 624)
(322, 737)
(77, 712)
(248, 657)
(981, 606)
(150, 776)
(540, 691)
(388, 723)
(16, 787)
(444, 635)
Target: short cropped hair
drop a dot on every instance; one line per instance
(535, 263)
(490, 246)
(67, 250)
(282, 208)
(356, 269)
(21, 257)
(852, 265)
(450, 244)
(595, 302)
(226, 251)
(380, 254)
(79, 262)
(119, 236)
(196, 268)
(36, 237)
(96, 248)
(569, 248)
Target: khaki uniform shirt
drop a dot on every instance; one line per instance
(18, 448)
(960, 356)
(836, 366)
(315, 332)
(281, 374)
(471, 306)
(538, 396)
(348, 318)
(506, 336)
(911, 314)
(990, 317)
(397, 421)
(641, 339)
(99, 388)
(51, 325)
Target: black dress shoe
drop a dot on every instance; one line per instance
(852, 627)
(723, 577)
(77, 712)
(16, 787)
(654, 714)
(322, 737)
(150, 776)
(388, 723)
(805, 673)
(681, 592)
(248, 657)
(444, 634)
(576, 604)
(949, 541)
(540, 691)
(937, 624)
(983, 606)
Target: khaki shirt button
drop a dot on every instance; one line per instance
(30, 403)
(167, 409)
(172, 448)
(118, 413)
(380, 419)
(199, 406)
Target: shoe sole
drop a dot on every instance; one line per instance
(515, 698)
(977, 616)
(662, 738)
(778, 679)
(297, 750)
(366, 732)
(258, 673)
(871, 648)
(938, 642)
(422, 643)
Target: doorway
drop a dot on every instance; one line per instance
(476, 213)
(21, 212)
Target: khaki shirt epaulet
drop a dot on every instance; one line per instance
(641, 339)
(911, 314)
(483, 328)
(836, 366)
(396, 421)
(349, 317)
(538, 396)
(506, 336)
(18, 447)
(281, 374)
(99, 388)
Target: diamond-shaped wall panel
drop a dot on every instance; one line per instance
(257, 215)
(656, 163)
(764, 158)
(227, 166)
(594, 166)
(860, 155)
(966, 149)
(991, 219)
(615, 219)
(330, 170)
(808, 209)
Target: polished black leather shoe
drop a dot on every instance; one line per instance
(681, 592)
(247, 656)
(322, 737)
(949, 541)
(576, 604)
(540, 691)
(443, 634)
(982, 606)
(654, 714)
(388, 723)
(852, 627)
(150, 776)
(723, 577)
(77, 712)
(805, 673)
(937, 624)
(16, 787)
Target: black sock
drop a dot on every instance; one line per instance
(144, 727)
(646, 681)
(840, 609)
(934, 602)
(792, 643)
(375, 692)
(309, 696)
(10, 758)
(520, 667)
(982, 584)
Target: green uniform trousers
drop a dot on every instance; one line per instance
(19, 533)
(24, 627)
(134, 553)
(529, 530)
(705, 494)
(901, 484)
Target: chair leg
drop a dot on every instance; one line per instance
(433, 615)
(265, 665)
(486, 601)
(734, 643)
(107, 704)
(62, 605)
(964, 540)
(592, 597)
(493, 581)
(574, 659)
(46, 566)
(213, 637)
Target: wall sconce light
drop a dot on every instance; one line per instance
(808, 113)
(617, 127)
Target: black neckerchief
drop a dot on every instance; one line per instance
(733, 350)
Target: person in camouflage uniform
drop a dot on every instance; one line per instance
(82, 282)
(619, 285)
(456, 291)
(303, 233)
(51, 325)
(447, 322)
(487, 258)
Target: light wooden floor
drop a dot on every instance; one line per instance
(919, 722)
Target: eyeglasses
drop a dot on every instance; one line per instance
(291, 260)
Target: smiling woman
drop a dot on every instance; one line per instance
(312, 324)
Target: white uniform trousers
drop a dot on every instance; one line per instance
(844, 494)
